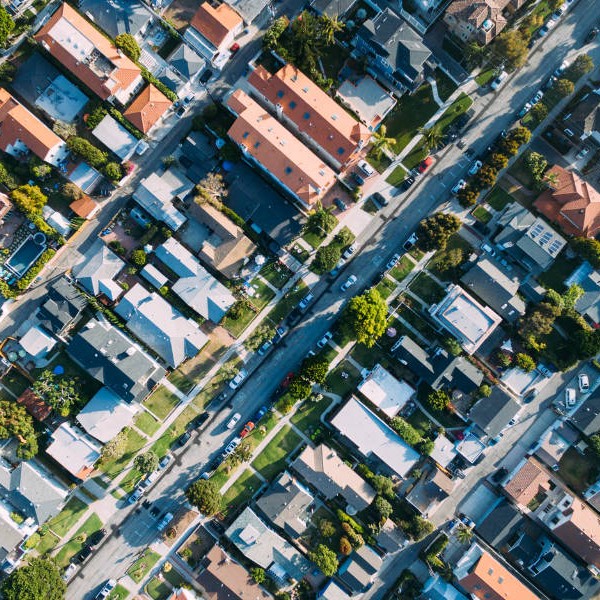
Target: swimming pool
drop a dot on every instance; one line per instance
(26, 254)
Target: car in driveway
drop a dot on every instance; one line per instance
(107, 588)
(358, 178)
(205, 77)
(410, 242)
(96, 537)
(180, 112)
(323, 341)
(582, 153)
(366, 168)
(183, 439)
(234, 384)
(378, 199)
(349, 251)
(475, 167)
(341, 205)
(164, 521)
(499, 80)
(583, 381)
(459, 186)
(349, 283)
(233, 421)
(392, 262)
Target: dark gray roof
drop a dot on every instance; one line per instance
(586, 115)
(500, 524)
(492, 414)
(332, 8)
(186, 62)
(587, 417)
(112, 358)
(117, 16)
(360, 568)
(33, 77)
(586, 277)
(391, 37)
(63, 306)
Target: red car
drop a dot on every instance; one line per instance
(425, 164)
(247, 429)
(234, 48)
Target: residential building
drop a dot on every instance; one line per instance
(115, 137)
(374, 439)
(325, 471)
(115, 360)
(430, 491)
(85, 207)
(314, 116)
(470, 448)
(90, 56)
(267, 549)
(74, 450)
(396, 53)
(97, 271)
(587, 416)
(554, 442)
(332, 8)
(118, 16)
(489, 282)
(480, 20)
(266, 143)
(526, 239)
(584, 119)
(37, 344)
(22, 133)
(148, 109)
(160, 326)
(333, 591)
(443, 452)
(436, 588)
(221, 578)
(588, 304)
(360, 569)
(493, 413)
(195, 286)
(213, 30)
(105, 415)
(390, 538)
(368, 100)
(485, 577)
(286, 504)
(186, 63)
(226, 248)
(153, 276)
(62, 307)
(384, 391)
(467, 320)
(251, 10)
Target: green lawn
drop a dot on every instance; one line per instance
(404, 266)
(481, 214)
(68, 516)
(308, 416)
(427, 289)
(114, 466)
(276, 274)
(130, 481)
(485, 76)
(299, 253)
(147, 423)
(578, 471)
(237, 326)
(417, 155)
(446, 87)
(244, 487)
(314, 238)
(396, 177)
(561, 268)
(141, 567)
(451, 274)
(421, 422)
(386, 288)
(47, 542)
(158, 589)
(180, 381)
(457, 108)
(498, 198)
(285, 306)
(74, 545)
(344, 385)
(271, 460)
(264, 294)
(161, 402)
(379, 163)
(521, 172)
(119, 593)
(366, 357)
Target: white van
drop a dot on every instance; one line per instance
(570, 397)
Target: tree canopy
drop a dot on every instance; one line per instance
(326, 258)
(29, 199)
(512, 47)
(16, 422)
(365, 317)
(7, 25)
(60, 392)
(205, 496)
(321, 221)
(88, 152)
(325, 559)
(39, 579)
(146, 462)
(434, 231)
(128, 44)
(314, 369)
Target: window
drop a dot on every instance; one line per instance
(340, 151)
(246, 134)
(280, 94)
(288, 170)
(256, 144)
(306, 115)
(293, 104)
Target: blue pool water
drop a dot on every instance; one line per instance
(25, 255)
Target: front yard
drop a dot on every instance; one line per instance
(161, 402)
(141, 567)
(76, 543)
(244, 487)
(344, 378)
(272, 459)
(578, 471)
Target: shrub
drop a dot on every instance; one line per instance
(88, 152)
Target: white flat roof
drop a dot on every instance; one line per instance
(470, 448)
(73, 450)
(71, 39)
(386, 392)
(115, 137)
(367, 99)
(443, 451)
(373, 437)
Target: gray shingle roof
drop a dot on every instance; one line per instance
(492, 414)
(186, 62)
(97, 270)
(63, 305)
(587, 417)
(117, 16)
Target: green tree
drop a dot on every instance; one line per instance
(138, 257)
(511, 46)
(508, 146)
(29, 199)
(343, 237)
(383, 507)
(258, 575)
(504, 359)
(484, 391)
(594, 441)
(7, 26)
(425, 446)
(272, 35)
(525, 362)
(521, 135)
(383, 485)
(326, 258)
(299, 389)
(205, 496)
(420, 528)
(308, 41)
(438, 400)
(453, 346)
(40, 169)
(314, 368)
(146, 462)
(467, 196)
(326, 528)
(536, 163)
(464, 534)
(87, 151)
(128, 44)
(538, 323)
(7, 72)
(16, 422)
(406, 431)
(498, 161)
(586, 343)
(581, 65)
(72, 191)
(62, 393)
(365, 317)
(329, 27)
(539, 112)
(571, 296)
(321, 221)
(551, 178)
(485, 177)
(113, 171)
(115, 447)
(38, 579)
(563, 88)
(325, 559)
(345, 546)
(381, 144)
(211, 189)
(435, 231)
(432, 137)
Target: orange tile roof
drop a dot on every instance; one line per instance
(16, 122)
(83, 207)
(110, 73)
(35, 406)
(147, 108)
(278, 151)
(314, 113)
(215, 24)
(527, 482)
(572, 203)
(581, 532)
(490, 580)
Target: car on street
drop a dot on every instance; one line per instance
(366, 168)
(538, 96)
(306, 301)
(582, 153)
(459, 186)
(233, 421)
(392, 262)
(349, 283)
(280, 332)
(265, 347)
(262, 411)
(530, 395)
(584, 383)
(570, 397)
(248, 427)
(233, 444)
(475, 167)
(349, 251)
(234, 384)
(69, 572)
(200, 420)
(164, 461)
(183, 439)
(341, 205)
(188, 99)
(526, 108)
(180, 112)
(83, 555)
(96, 537)
(593, 32)
(164, 521)
(234, 48)
(499, 80)
(205, 77)
(338, 266)
(487, 248)
(379, 199)
(564, 65)
(323, 341)
(425, 164)
(135, 495)
(107, 588)
(410, 242)
(407, 183)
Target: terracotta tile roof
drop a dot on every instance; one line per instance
(490, 580)
(84, 207)
(581, 532)
(147, 108)
(215, 24)
(527, 482)
(572, 203)
(314, 113)
(278, 151)
(16, 122)
(35, 406)
(84, 51)
(5, 205)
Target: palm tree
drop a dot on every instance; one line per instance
(381, 143)
(464, 534)
(329, 27)
(431, 137)
(307, 40)
(211, 189)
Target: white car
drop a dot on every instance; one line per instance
(570, 397)
(233, 444)
(349, 251)
(583, 152)
(475, 167)
(538, 96)
(235, 382)
(499, 80)
(349, 282)
(323, 341)
(524, 110)
(584, 383)
(69, 572)
(366, 168)
(392, 262)
(459, 186)
(108, 587)
(306, 301)
(233, 421)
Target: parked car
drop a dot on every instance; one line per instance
(248, 427)
(233, 421)
(379, 199)
(135, 495)
(341, 205)
(280, 332)
(205, 77)
(323, 341)
(306, 301)
(183, 439)
(538, 96)
(584, 383)
(262, 411)
(410, 242)
(180, 112)
(407, 183)
(593, 32)
(107, 588)
(583, 152)
(499, 80)
(96, 537)
(234, 384)
(459, 186)
(164, 521)
(357, 177)
(349, 251)
(570, 397)
(234, 48)
(188, 99)
(475, 167)
(265, 347)
(544, 370)
(392, 262)
(425, 164)
(487, 248)
(200, 420)
(530, 395)
(233, 444)
(366, 168)
(69, 572)
(349, 282)
(83, 555)
(466, 520)
(164, 461)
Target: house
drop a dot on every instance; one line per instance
(526, 239)
(85, 207)
(221, 578)
(89, 56)
(34, 405)
(332, 8)
(186, 63)
(368, 100)
(266, 143)
(115, 137)
(360, 569)
(534, 490)
(492, 414)
(251, 10)
(396, 52)
(226, 248)
(438, 369)
(62, 308)
(314, 116)
(97, 270)
(74, 450)
(443, 452)
(588, 304)
(385, 392)
(467, 320)
(572, 203)
(333, 591)
(36, 343)
(390, 538)
(213, 30)
(286, 504)
(484, 577)
(470, 448)
(489, 282)
(22, 133)
(115, 360)
(324, 471)
(430, 491)
(105, 415)
(587, 416)
(118, 16)
(5, 206)
(374, 439)
(195, 286)
(266, 548)
(153, 276)
(160, 326)
(480, 20)
(554, 442)
(584, 119)
(148, 109)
